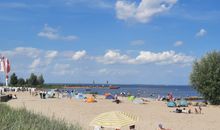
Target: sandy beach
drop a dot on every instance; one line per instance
(151, 114)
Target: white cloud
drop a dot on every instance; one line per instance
(103, 71)
(145, 57)
(36, 63)
(144, 11)
(52, 34)
(202, 32)
(23, 51)
(112, 57)
(137, 43)
(79, 55)
(166, 57)
(51, 54)
(178, 43)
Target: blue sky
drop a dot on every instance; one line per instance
(123, 41)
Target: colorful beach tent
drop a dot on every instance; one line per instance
(109, 97)
(114, 119)
(131, 98)
(79, 96)
(138, 101)
(182, 103)
(50, 94)
(171, 104)
(106, 94)
(90, 100)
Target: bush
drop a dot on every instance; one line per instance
(205, 77)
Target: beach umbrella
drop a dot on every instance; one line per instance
(114, 119)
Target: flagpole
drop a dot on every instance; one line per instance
(6, 80)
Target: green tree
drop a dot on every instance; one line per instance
(32, 80)
(21, 82)
(205, 77)
(40, 80)
(13, 80)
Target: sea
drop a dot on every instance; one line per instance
(148, 91)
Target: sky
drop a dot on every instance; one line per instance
(122, 41)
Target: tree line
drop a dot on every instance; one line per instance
(33, 80)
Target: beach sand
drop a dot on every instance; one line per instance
(151, 114)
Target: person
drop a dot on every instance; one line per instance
(184, 110)
(41, 94)
(94, 96)
(189, 109)
(14, 97)
(196, 111)
(200, 110)
(116, 97)
(161, 127)
(178, 110)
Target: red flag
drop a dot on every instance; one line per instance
(7, 66)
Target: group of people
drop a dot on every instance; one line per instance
(189, 111)
(43, 94)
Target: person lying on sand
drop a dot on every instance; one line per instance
(117, 101)
(184, 110)
(178, 110)
(161, 127)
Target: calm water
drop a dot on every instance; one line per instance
(146, 90)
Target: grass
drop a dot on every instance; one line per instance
(21, 119)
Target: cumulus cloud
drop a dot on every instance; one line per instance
(178, 43)
(36, 63)
(51, 54)
(79, 55)
(23, 51)
(33, 59)
(137, 43)
(166, 57)
(112, 57)
(52, 34)
(202, 32)
(145, 57)
(142, 12)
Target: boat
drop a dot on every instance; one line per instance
(114, 87)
